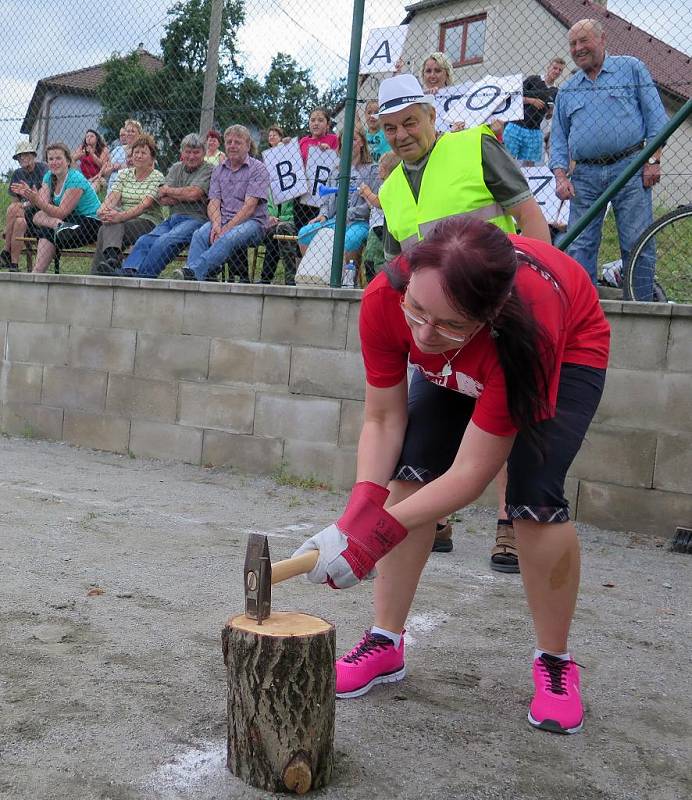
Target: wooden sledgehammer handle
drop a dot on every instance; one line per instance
(290, 567)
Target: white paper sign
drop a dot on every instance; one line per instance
(542, 184)
(512, 107)
(321, 169)
(286, 172)
(383, 49)
(444, 99)
(491, 97)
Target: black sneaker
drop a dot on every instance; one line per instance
(106, 267)
(14, 268)
(5, 260)
(184, 274)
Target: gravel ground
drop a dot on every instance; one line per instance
(118, 575)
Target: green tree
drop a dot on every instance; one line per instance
(334, 96)
(168, 102)
(289, 94)
(184, 46)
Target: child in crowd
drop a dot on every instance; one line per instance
(373, 255)
(320, 136)
(377, 141)
(363, 171)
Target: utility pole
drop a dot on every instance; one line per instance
(206, 119)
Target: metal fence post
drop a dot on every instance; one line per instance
(347, 138)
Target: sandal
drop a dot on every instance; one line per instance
(443, 539)
(503, 557)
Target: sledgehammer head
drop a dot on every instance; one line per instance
(258, 578)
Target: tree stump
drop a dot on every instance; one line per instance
(281, 701)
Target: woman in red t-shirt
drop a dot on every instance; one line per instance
(510, 347)
(92, 155)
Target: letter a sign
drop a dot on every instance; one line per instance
(383, 49)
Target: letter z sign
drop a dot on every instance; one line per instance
(542, 184)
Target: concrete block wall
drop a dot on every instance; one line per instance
(260, 378)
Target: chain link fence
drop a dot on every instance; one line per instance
(94, 78)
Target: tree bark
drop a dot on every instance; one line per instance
(281, 701)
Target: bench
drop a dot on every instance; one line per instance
(30, 243)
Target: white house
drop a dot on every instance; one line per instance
(63, 106)
(502, 37)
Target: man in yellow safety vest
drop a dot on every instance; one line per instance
(468, 172)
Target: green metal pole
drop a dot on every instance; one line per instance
(346, 139)
(615, 187)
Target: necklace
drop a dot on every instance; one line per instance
(447, 369)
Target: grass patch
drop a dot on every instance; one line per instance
(285, 478)
(673, 261)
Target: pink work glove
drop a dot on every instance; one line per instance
(349, 549)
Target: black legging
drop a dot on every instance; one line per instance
(74, 231)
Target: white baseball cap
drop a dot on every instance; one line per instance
(400, 92)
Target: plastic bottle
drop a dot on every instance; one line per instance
(348, 275)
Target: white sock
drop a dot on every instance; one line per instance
(395, 637)
(564, 656)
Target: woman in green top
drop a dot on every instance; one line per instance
(67, 206)
(131, 209)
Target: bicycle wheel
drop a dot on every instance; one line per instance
(667, 244)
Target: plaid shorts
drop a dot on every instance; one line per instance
(536, 482)
(525, 144)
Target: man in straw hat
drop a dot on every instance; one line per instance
(467, 173)
(19, 210)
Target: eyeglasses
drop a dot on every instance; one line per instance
(454, 336)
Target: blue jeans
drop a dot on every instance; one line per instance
(633, 212)
(354, 239)
(153, 251)
(206, 260)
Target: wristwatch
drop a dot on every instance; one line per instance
(653, 161)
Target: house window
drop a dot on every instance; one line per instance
(463, 40)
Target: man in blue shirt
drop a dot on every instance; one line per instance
(604, 114)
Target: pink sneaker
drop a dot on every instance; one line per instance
(373, 660)
(556, 705)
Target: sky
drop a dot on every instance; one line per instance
(39, 38)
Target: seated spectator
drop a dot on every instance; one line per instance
(281, 223)
(237, 209)
(320, 136)
(275, 136)
(358, 212)
(67, 207)
(214, 154)
(92, 156)
(185, 191)
(524, 137)
(373, 255)
(374, 135)
(117, 160)
(20, 211)
(131, 209)
(131, 131)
